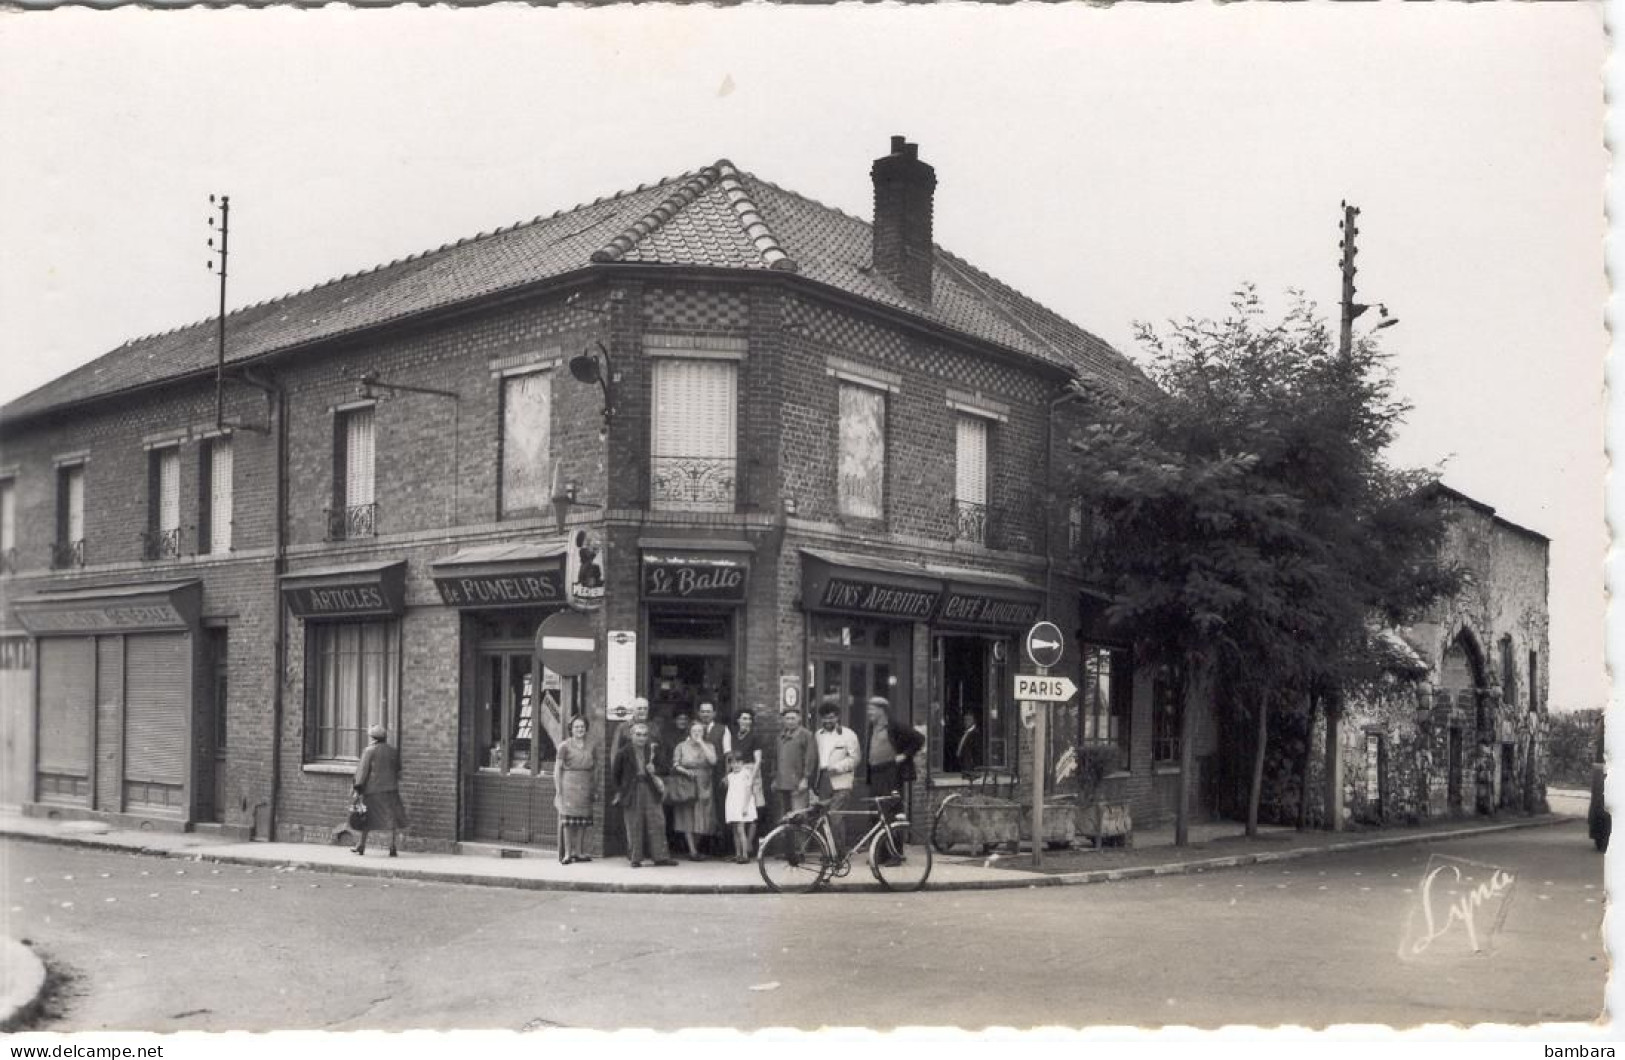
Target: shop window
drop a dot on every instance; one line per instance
(354, 512)
(862, 463)
(214, 496)
(8, 526)
(527, 448)
(69, 550)
(691, 661)
(692, 462)
(516, 721)
(970, 479)
(1106, 700)
(1167, 715)
(351, 672)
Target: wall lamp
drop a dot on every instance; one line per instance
(589, 367)
(1382, 311)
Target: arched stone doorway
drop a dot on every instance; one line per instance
(1464, 683)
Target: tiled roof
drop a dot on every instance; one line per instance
(715, 217)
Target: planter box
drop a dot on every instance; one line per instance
(1102, 821)
(978, 822)
(1059, 824)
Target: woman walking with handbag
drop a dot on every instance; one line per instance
(575, 777)
(378, 783)
(689, 789)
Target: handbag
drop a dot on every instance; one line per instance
(358, 814)
(681, 788)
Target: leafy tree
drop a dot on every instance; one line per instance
(1247, 526)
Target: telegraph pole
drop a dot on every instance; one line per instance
(1345, 336)
(224, 227)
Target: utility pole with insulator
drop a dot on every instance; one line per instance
(1345, 338)
(224, 228)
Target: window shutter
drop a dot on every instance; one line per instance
(526, 442)
(169, 489)
(76, 503)
(695, 404)
(862, 468)
(970, 484)
(219, 499)
(358, 458)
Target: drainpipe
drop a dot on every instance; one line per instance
(277, 395)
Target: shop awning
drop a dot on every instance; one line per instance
(112, 609)
(987, 599)
(512, 574)
(363, 590)
(890, 588)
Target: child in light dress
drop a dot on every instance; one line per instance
(740, 805)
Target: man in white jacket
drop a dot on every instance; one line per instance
(839, 754)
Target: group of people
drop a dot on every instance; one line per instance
(716, 779)
(713, 781)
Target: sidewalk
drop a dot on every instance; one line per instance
(1212, 846)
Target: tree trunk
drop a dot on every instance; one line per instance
(1334, 764)
(1256, 792)
(1303, 762)
(1187, 758)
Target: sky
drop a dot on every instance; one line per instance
(1123, 164)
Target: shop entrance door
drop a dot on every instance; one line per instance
(516, 723)
(853, 681)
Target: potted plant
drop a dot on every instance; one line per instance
(1097, 818)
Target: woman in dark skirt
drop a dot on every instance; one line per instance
(378, 782)
(575, 777)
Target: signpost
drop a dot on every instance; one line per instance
(1045, 647)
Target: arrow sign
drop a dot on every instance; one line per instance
(1045, 644)
(1044, 689)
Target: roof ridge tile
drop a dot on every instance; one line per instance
(686, 192)
(750, 218)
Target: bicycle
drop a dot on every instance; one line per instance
(802, 854)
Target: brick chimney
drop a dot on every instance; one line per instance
(904, 188)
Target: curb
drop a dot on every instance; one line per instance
(1018, 879)
(25, 985)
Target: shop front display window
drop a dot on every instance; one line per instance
(352, 685)
(1105, 700)
(518, 725)
(977, 728)
(691, 661)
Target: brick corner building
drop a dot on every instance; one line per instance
(775, 452)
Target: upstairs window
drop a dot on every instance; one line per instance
(70, 517)
(8, 526)
(527, 449)
(1534, 685)
(970, 479)
(354, 512)
(692, 454)
(861, 488)
(214, 496)
(163, 536)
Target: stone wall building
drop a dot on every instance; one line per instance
(775, 452)
(1457, 731)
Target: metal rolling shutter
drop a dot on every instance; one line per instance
(66, 680)
(157, 693)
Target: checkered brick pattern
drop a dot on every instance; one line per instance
(695, 309)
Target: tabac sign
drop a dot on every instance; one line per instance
(682, 577)
(512, 589)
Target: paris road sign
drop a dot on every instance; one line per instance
(1032, 688)
(1045, 644)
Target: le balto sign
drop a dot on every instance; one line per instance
(693, 578)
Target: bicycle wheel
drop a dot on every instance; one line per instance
(793, 859)
(941, 842)
(899, 858)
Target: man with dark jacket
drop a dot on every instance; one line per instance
(636, 774)
(888, 750)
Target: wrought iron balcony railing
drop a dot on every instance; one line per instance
(970, 522)
(9, 563)
(65, 554)
(694, 483)
(358, 520)
(161, 544)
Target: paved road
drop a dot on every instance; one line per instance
(161, 944)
